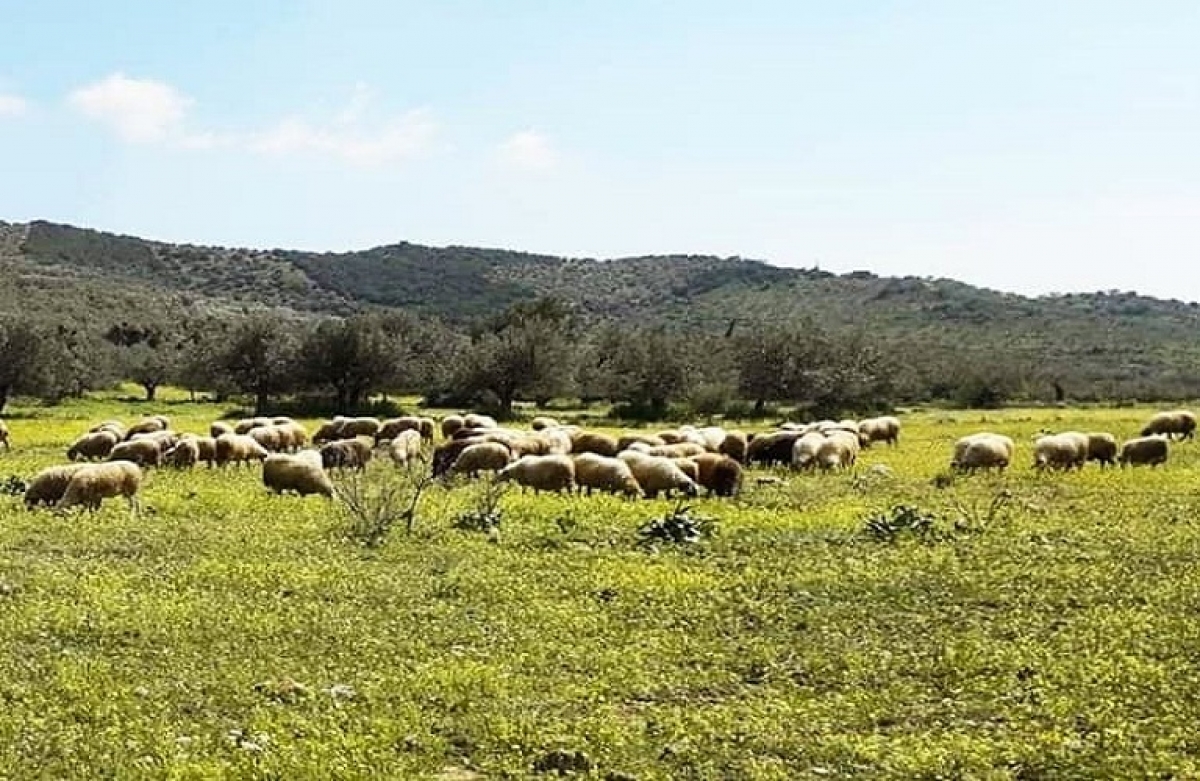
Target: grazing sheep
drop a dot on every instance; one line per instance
(329, 431)
(530, 445)
(672, 436)
(451, 424)
(883, 429)
(719, 474)
(805, 449)
(678, 450)
(713, 437)
(246, 425)
(303, 473)
(1102, 447)
(541, 473)
(347, 453)
(1180, 421)
(445, 454)
(184, 455)
(653, 440)
(476, 420)
(113, 425)
(603, 473)
(543, 422)
(405, 447)
(558, 440)
(282, 420)
(292, 435)
(220, 427)
(97, 444)
(93, 483)
(147, 426)
(359, 427)
(483, 457)
(839, 450)
(143, 452)
(272, 438)
(391, 427)
(656, 474)
(237, 449)
(595, 442)
(772, 448)
(734, 445)
(982, 451)
(687, 466)
(1150, 450)
(1065, 451)
(48, 485)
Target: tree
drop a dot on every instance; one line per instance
(353, 357)
(20, 356)
(525, 353)
(260, 358)
(646, 368)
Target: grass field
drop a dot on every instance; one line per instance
(1041, 626)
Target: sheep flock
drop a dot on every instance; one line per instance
(110, 459)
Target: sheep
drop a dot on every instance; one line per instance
(220, 427)
(543, 422)
(272, 438)
(246, 425)
(303, 473)
(653, 440)
(48, 485)
(805, 449)
(772, 448)
(529, 445)
(1181, 422)
(1102, 447)
(1150, 450)
(347, 453)
(97, 444)
(713, 436)
(1068, 450)
(678, 450)
(982, 451)
(603, 473)
(147, 426)
(558, 440)
(476, 420)
(719, 474)
(93, 483)
(595, 442)
(184, 455)
(113, 425)
(237, 449)
(282, 420)
(541, 473)
(446, 453)
(359, 427)
(405, 447)
(329, 431)
(292, 435)
(482, 457)
(688, 467)
(883, 429)
(656, 474)
(839, 450)
(391, 427)
(143, 452)
(451, 424)
(734, 445)
(672, 436)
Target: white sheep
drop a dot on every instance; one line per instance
(656, 474)
(1066, 451)
(604, 473)
(482, 457)
(237, 449)
(96, 444)
(93, 483)
(48, 485)
(541, 473)
(143, 452)
(302, 473)
(405, 447)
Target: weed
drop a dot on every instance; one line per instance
(680, 526)
(901, 520)
(373, 502)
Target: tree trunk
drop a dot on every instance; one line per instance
(151, 389)
(759, 406)
(4, 391)
(260, 402)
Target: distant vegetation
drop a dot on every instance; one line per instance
(492, 327)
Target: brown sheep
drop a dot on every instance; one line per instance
(347, 453)
(483, 457)
(718, 474)
(594, 442)
(48, 485)
(143, 452)
(97, 444)
(93, 483)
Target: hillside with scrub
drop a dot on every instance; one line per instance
(1104, 345)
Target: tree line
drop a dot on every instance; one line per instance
(530, 352)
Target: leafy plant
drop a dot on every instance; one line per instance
(680, 526)
(12, 486)
(902, 519)
(374, 502)
(485, 514)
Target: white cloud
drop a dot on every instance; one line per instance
(138, 110)
(13, 105)
(527, 150)
(404, 138)
(145, 111)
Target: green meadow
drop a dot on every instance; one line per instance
(883, 622)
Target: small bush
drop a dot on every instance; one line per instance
(901, 520)
(678, 527)
(484, 514)
(374, 502)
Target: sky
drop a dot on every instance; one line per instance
(1033, 146)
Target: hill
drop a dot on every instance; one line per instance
(1106, 337)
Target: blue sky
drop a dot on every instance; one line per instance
(1027, 146)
